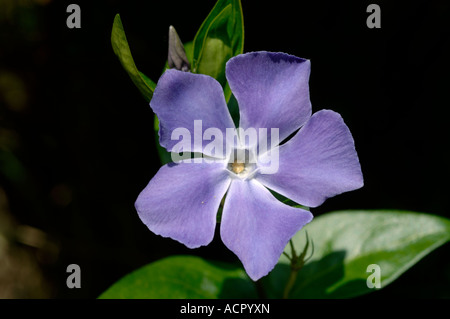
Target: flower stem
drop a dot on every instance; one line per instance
(290, 283)
(297, 262)
(260, 290)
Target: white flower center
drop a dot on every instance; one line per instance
(242, 164)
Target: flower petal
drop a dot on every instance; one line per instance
(272, 90)
(257, 227)
(319, 162)
(181, 201)
(180, 98)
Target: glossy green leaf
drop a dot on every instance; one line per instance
(220, 37)
(122, 50)
(183, 277)
(347, 242)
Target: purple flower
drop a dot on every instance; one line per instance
(318, 162)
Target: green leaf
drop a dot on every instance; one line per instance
(164, 155)
(183, 277)
(347, 242)
(188, 47)
(220, 37)
(233, 108)
(122, 50)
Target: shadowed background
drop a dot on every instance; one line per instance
(77, 141)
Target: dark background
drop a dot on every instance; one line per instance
(77, 141)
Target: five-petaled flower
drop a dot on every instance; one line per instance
(319, 161)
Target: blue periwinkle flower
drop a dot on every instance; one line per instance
(320, 161)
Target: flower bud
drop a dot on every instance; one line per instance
(177, 56)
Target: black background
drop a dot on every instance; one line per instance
(77, 137)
